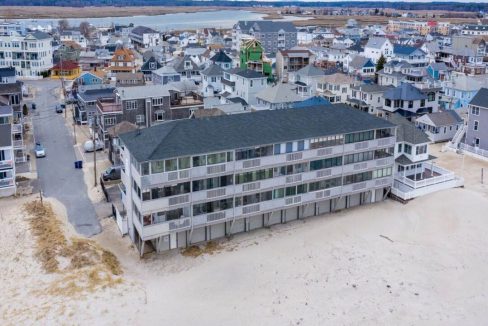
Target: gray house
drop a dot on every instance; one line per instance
(273, 36)
(440, 126)
(87, 97)
(477, 127)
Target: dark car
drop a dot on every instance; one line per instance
(112, 173)
(59, 109)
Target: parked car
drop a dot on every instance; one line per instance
(33, 107)
(59, 109)
(112, 173)
(39, 150)
(88, 145)
(63, 106)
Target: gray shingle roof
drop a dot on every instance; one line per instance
(7, 72)
(198, 136)
(249, 74)
(405, 92)
(266, 26)
(407, 131)
(212, 70)
(481, 98)
(140, 30)
(445, 118)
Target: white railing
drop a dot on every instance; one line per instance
(458, 136)
(16, 128)
(444, 176)
(474, 150)
(7, 164)
(18, 144)
(7, 182)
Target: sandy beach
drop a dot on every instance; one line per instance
(423, 263)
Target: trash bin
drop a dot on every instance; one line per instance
(78, 164)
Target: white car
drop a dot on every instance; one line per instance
(39, 150)
(88, 145)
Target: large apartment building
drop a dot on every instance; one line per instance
(194, 180)
(273, 36)
(30, 54)
(422, 27)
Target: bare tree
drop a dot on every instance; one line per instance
(85, 29)
(63, 24)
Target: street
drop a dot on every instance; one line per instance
(57, 174)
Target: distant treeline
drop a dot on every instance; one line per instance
(448, 6)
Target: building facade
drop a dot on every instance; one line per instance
(30, 55)
(182, 184)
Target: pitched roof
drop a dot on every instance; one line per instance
(221, 56)
(310, 70)
(66, 65)
(7, 72)
(197, 136)
(405, 50)
(360, 62)
(212, 70)
(338, 78)
(444, 118)
(266, 26)
(247, 73)
(407, 131)
(481, 98)
(279, 93)
(140, 30)
(376, 42)
(406, 92)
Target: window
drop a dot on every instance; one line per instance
(178, 189)
(476, 142)
(158, 101)
(216, 158)
(301, 145)
(140, 118)
(277, 149)
(248, 153)
(289, 147)
(157, 166)
(410, 104)
(159, 116)
(422, 103)
(199, 160)
(408, 149)
(399, 148)
(475, 110)
(422, 149)
(211, 183)
(131, 105)
(214, 206)
(325, 163)
(358, 157)
(183, 163)
(431, 97)
(253, 176)
(110, 121)
(326, 141)
(476, 125)
(359, 136)
(170, 165)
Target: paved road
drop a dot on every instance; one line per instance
(58, 177)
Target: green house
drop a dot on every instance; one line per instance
(252, 57)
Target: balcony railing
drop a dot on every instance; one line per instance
(7, 182)
(439, 175)
(16, 128)
(18, 144)
(7, 164)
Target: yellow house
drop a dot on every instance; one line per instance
(66, 69)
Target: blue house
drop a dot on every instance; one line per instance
(438, 70)
(89, 78)
(414, 56)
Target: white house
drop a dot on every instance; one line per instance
(376, 47)
(248, 83)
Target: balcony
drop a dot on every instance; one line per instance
(148, 232)
(108, 105)
(7, 182)
(430, 179)
(7, 164)
(18, 144)
(16, 128)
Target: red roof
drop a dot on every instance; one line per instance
(66, 65)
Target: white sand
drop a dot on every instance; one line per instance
(331, 270)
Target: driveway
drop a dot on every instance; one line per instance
(57, 175)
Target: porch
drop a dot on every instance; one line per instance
(424, 178)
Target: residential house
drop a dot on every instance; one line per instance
(222, 59)
(128, 79)
(73, 35)
(252, 57)
(279, 96)
(7, 157)
(308, 76)
(362, 67)
(89, 78)
(123, 60)
(377, 47)
(149, 66)
(438, 71)
(476, 129)
(87, 96)
(211, 80)
(7, 75)
(472, 29)
(273, 35)
(416, 174)
(368, 98)
(144, 37)
(269, 170)
(292, 60)
(409, 101)
(460, 89)
(66, 69)
(248, 83)
(336, 87)
(440, 126)
(165, 75)
(187, 68)
(30, 54)
(414, 56)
